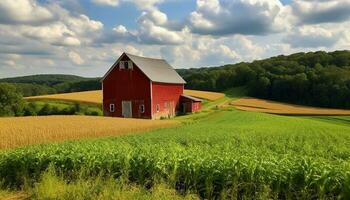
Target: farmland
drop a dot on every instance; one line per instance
(227, 153)
(95, 97)
(22, 131)
(220, 152)
(266, 106)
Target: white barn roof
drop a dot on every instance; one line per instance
(157, 70)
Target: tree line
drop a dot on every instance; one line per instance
(315, 78)
(52, 83)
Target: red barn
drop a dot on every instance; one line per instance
(142, 87)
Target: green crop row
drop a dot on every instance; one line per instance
(229, 154)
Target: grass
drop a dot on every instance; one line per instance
(226, 154)
(260, 105)
(95, 97)
(53, 186)
(22, 131)
(61, 105)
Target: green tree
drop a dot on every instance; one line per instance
(11, 102)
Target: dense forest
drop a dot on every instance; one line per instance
(315, 78)
(52, 83)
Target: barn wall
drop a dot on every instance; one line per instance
(196, 106)
(127, 85)
(167, 96)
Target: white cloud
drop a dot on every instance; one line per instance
(150, 33)
(120, 29)
(252, 17)
(23, 12)
(75, 58)
(312, 37)
(56, 34)
(106, 2)
(316, 11)
(60, 39)
(141, 4)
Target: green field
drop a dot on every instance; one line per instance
(225, 153)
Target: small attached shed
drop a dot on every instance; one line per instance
(190, 104)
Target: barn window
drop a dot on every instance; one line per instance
(142, 108)
(121, 65)
(130, 64)
(111, 107)
(158, 107)
(126, 64)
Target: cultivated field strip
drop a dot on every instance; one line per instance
(227, 155)
(266, 106)
(95, 97)
(212, 96)
(21, 131)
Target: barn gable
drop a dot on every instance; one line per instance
(157, 70)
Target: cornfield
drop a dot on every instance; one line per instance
(95, 97)
(260, 105)
(228, 154)
(21, 131)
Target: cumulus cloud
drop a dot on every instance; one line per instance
(75, 58)
(106, 2)
(56, 34)
(312, 37)
(223, 17)
(151, 33)
(316, 11)
(23, 12)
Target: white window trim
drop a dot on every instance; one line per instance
(121, 65)
(130, 65)
(112, 107)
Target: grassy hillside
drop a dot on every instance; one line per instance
(227, 153)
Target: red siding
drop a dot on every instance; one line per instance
(127, 85)
(196, 106)
(167, 96)
(189, 105)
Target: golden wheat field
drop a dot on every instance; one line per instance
(21, 131)
(260, 105)
(95, 96)
(212, 96)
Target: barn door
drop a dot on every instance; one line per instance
(127, 109)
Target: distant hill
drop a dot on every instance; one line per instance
(46, 79)
(53, 83)
(315, 78)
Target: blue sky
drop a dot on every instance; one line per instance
(85, 37)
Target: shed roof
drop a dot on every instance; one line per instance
(191, 98)
(157, 70)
